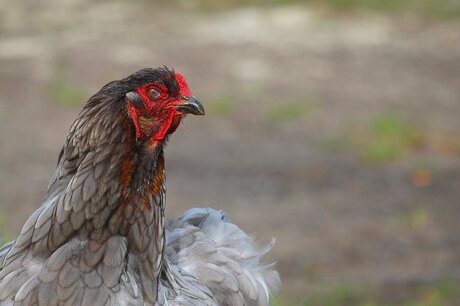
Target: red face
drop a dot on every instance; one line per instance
(155, 113)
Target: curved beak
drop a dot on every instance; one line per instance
(190, 105)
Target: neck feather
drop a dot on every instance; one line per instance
(108, 183)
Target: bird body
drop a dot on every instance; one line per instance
(100, 237)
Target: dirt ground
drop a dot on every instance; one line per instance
(290, 146)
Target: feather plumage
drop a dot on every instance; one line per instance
(100, 237)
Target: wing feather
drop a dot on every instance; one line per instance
(206, 244)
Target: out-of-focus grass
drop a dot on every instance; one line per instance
(339, 296)
(416, 219)
(222, 106)
(290, 111)
(426, 8)
(63, 90)
(444, 293)
(387, 138)
(390, 137)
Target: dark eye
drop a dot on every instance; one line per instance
(153, 94)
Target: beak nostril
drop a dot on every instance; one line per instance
(186, 98)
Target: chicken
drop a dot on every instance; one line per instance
(100, 236)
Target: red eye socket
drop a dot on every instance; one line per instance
(153, 94)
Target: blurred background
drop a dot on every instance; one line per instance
(332, 125)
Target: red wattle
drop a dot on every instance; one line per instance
(175, 123)
(165, 127)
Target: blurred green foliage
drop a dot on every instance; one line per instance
(387, 138)
(289, 111)
(338, 296)
(222, 106)
(430, 8)
(426, 8)
(417, 219)
(63, 90)
(444, 293)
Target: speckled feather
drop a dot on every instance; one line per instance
(99, 236)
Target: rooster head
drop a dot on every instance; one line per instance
(158, 101)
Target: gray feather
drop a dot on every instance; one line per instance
(25, 289)
(99, 237)
(89, 187)
(10, 283)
